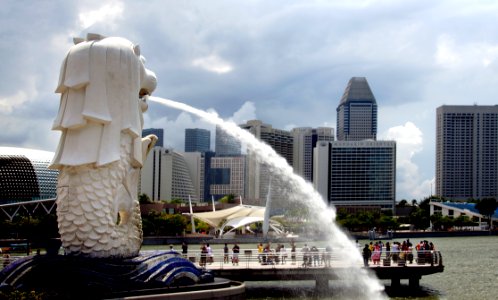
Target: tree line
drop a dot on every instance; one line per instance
(40, 227)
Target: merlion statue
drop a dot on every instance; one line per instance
(103, 85)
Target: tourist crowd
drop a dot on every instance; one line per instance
(397, 251)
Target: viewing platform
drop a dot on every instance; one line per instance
(253, 267)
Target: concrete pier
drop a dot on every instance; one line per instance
(250, 269)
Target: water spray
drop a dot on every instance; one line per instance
(357, 278)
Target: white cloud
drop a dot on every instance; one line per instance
(20, 98)
(451, 54)
(246, 112)
(446, 54)
(409, 142)
(213, 64)
(108, 13)
(7, 104)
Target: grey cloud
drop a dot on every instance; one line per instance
(292, 59)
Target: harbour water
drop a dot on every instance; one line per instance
(471, 272)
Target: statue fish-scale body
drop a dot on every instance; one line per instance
(99, 220)
(103, 86)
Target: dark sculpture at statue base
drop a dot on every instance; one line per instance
(76, 277)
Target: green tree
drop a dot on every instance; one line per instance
(162, 224)
(436, 220)
(487, 207)
(228, 199)
(144, 199)
(447, 223)
(387, 222)
(420, 218)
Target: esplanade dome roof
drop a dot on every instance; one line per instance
(24, 175)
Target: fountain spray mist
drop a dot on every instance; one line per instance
(357, 279)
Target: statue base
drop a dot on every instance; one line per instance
(72, 277)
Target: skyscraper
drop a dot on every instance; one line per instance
(166, 175)
(357, 112)
(258, 174)
(197, 140)
(227, 176)
(280, 140)
(225, 144)
(158, 132)
(467, 152)
(360, 174)
(305, 139)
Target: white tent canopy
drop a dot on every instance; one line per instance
(235, 217)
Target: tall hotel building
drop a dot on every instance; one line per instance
(356, 171)
(467, 152)
(197, 140)
(357, 112)
(258, 175)
(305, 140)
(357, 174)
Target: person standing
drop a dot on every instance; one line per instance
(225, 253)
(293, 252)
(306, 258)
(203, 255)
(283, 253)
(184, 249)
(235, 251)
(366, 255)
(388, 250)
(209, 254)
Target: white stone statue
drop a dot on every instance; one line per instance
(103, 85)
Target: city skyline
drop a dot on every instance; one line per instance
(285, 63)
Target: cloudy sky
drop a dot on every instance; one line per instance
(286, 63)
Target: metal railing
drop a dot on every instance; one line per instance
(250, 258)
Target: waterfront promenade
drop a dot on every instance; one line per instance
(275, 267)
(253, 267)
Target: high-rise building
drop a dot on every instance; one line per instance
(280, 140)
(305, 139)
(159, 132)
(467, 152)
(258, 174)
(360, 173)
(357, 112)
(227, 176)
(226, 145)
(197, 140)
(166, 175)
